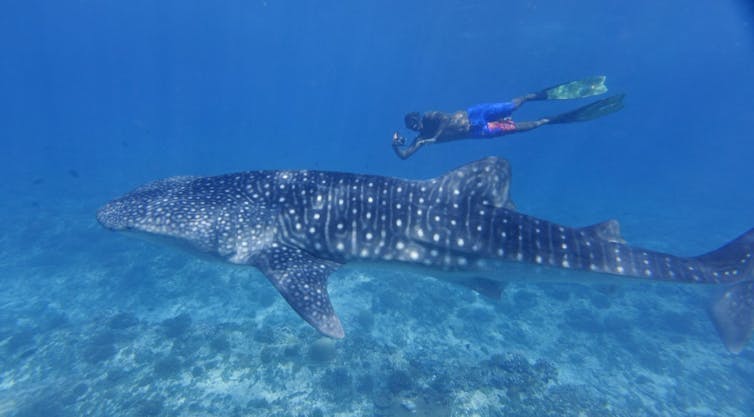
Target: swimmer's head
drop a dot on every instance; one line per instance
(413, 121)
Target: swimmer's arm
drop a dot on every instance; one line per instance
(418, 142)
(406, 152)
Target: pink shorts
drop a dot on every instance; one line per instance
(500, 127)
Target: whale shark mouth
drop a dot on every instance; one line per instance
(110, 216)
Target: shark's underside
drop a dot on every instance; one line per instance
(298, 227)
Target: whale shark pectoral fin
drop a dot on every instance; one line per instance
(302, 280)
(487, 181)
(608, 230)
(733, 315)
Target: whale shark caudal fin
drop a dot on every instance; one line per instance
(302, 280)
(733, 311)
(486, 180)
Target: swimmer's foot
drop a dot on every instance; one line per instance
(587, 87)
(591, 111)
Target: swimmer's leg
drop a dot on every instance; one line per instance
(529, 125)
(518, 101)
(590, 111)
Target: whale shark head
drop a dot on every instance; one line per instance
(158, 212)
(217, 216)
(191, 213)
(150, 208)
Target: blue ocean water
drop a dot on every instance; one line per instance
(101, 96)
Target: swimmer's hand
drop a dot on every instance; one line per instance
(398, 139)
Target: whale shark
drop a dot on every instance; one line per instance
(299, 226)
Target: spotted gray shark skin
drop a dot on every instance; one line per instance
(298, 227)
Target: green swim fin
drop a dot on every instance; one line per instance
(587, 87)
(591, 111)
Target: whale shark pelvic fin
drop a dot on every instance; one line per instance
(733, 315)
(733, 311)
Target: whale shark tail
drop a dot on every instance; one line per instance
(733, 311)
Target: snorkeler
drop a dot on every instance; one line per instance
(494, 119)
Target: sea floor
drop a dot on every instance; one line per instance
(95, 323)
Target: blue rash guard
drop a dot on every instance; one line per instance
(483, 116)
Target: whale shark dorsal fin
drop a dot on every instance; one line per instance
(302, 280)
(608, 230)
(488, 179)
